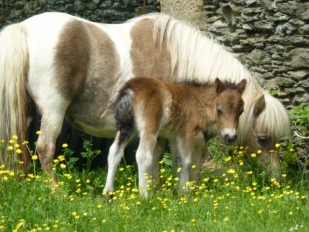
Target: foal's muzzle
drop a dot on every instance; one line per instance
(229, 139)
(229, 135)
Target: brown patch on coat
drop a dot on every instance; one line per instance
(97, 88)
(72, 58)
(148, 58)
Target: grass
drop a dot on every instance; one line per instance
(238, 198)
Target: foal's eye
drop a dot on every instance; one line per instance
(240, 113)
(219, 112)
(263, 140)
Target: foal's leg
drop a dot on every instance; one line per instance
(157, 156)
(186, 146)
(145, 159)
(116, 152)
(194, 174)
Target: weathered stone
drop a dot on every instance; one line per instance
(247, 27)
(257, 69)
(263, 25)
(298, 58)
(284, 29)
(259, 57)
(305, 29)
(299, 75)
(284, 82)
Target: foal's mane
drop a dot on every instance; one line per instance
(226, 84)
(196, 57)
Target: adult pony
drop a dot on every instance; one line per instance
(178, 112)
(68, 67)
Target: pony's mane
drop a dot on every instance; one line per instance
(274, 118)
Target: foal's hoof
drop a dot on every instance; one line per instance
(108, 195)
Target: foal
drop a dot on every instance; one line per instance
(177, 112)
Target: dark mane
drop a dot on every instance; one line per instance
(227, 84)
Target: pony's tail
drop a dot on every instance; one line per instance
(124, 113)
(13, 97)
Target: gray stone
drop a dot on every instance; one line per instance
(259, 57)
(298, 58)
(305, 29)
(299, 75)
(263, 25)
(284, 82)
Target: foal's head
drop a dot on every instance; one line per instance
(229, 106)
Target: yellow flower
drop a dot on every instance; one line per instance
(63, 166)
(25, 142)
(228, 159)
(277, 145)
(193, 166)
(61, 158)
(18, 151)
(14, 137)
(259, 151)
(34, 157)
(65, 145)
(38, 132)
(253, 155)
(249, 173)
(283, 175)
(178, 169)
(10, 148)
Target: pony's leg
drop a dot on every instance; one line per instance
(144, 159)
(51, 124)
(157, 156)
(115, 154)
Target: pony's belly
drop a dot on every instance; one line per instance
(104, 128)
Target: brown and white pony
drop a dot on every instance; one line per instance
(177, 112)
(68, 67)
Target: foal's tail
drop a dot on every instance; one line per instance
(13, 96)
(124, 113)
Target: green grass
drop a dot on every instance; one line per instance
(238, 198)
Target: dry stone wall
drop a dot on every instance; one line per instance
(271, 38)
(105, 11)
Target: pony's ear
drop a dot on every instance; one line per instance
(241, 85)
(259, 106)
(219, 85)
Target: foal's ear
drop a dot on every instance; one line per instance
(219, 85)
(241, 85)
(259, 106)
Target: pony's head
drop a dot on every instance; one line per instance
(229, 106)
(265, 125)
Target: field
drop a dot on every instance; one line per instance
(233, 195)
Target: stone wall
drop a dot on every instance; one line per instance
(105, 11)
(271, 38)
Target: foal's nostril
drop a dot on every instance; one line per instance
(230, 139)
